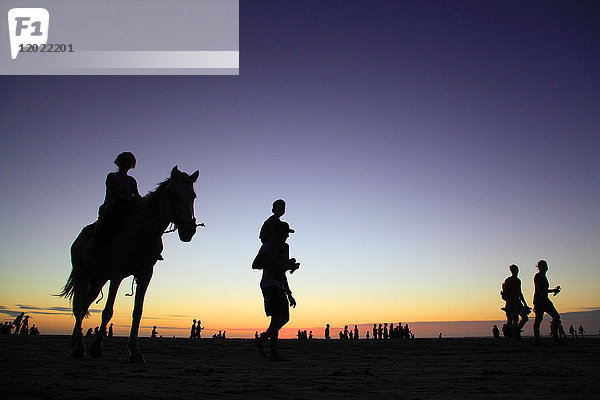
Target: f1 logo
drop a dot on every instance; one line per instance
(27, 26)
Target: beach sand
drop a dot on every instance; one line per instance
(40, 367)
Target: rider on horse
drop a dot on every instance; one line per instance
(121, 196)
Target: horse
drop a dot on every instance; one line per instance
(134, 251)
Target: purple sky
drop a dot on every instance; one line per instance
(422, 148)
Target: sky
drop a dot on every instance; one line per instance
(421, 147)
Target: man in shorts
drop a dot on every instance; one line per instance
(542, 303)
(275, 260)
(516, 306)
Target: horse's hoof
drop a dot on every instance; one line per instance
(95, 350)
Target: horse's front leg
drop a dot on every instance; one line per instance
(96, 346)
(142, 285)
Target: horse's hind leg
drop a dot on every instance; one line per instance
(142, 285)
(77, 346)
(96, 346)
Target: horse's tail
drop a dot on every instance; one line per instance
(78, 283)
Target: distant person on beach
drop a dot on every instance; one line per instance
(274, 259)
(515, 303)
(268, 227)
(380, 332)
(6, 328)
(193, 330)
(25, 326)
(496, 332)
(581, 331)
(110, 330)
(355, 332)
(17, 322)
(374, 331)
(542, 303)
(154, 332)
(572, 332)
(327, 335)
(561, 331)
(199, 330)
(367, 336)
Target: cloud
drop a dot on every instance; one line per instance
(29, 309)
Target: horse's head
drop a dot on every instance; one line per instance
(180, 203)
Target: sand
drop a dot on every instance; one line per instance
(40, 367)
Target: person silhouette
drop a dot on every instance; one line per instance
(89, 333)
(25, 326)
(496, 332)
(581, 330)
(374, 331)
(327, 335)
(110, 330)
(17, 323)
(355, 332)
(154, 332)
(267, 229)
(193, 330)
(274, 285)
(310, 336)
(515, 303)
(542, 303)
(119, 201)
(346, 332)
(199, 330)
(380, 332)
(572, 332)
(255, 335)
(385, 331)
(367, 336)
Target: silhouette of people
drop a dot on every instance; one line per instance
(110, 330)
(581, 331)
(380, 332)
(542, 303)
(561, 331)
(193, 330)
(89, 333)
(496, 332)
(374, 331)
(515, 303)
(346, 335)
(385, 331)
(572, 332)
(327, 335)
(255, 335)
(7, 328)
(121, 195)
(440, 335)
(367, 336)
(274, 285)
(310, 336)
(17, 323)
(34, 330)
(355, 332)
(268, 227)
(25, 326)
(154, 332)
(199, 330)
(350, 335)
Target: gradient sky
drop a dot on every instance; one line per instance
(422, 148)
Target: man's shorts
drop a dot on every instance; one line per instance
(545, 306)
(276, 302)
